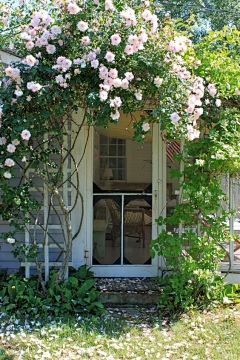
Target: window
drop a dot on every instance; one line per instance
(112, 158)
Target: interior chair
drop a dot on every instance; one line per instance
(134, 224)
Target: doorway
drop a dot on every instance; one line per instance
(125, 203)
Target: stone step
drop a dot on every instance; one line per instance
(121, 298)
(128, 291)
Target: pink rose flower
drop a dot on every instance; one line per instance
(82, 25)
(132, 39)
(30, 60)
(92, 55)
(10, 240)
(108, 81)
(174, 117)
(190, 109)
(109, 56)
(25, 134)
(7, 175)
(113, 73)
(115, 116)
(143, 37)
(73, 8)
(103, 72)
(129, 76)
(30, 45)
(9, 162)
(158, 81)
(117, 83)
(56, 30)
(116, 102)
(128, 50)
(115, 39)
(15, 142)
(94, 64)
(12, 72)
(36, 87)
(212, 89)
(125, 84)
(147, 15)
(192, 133)
(43, 41)
(109, 5)
(51, 49)
(85, 40)
(198, 112)
(145, 127)
(137, 46)
(11, 148)
(103, 95)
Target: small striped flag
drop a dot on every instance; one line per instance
(172, 147)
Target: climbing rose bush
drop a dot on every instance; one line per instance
(105, 57)
(119, 57)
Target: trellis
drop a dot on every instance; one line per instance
(46, 228)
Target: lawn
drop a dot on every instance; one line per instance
(133, 333)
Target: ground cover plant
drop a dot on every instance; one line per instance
(75, 295)
(136, 333)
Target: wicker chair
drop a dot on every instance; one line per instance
(134, 223)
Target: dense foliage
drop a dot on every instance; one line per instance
(215, 13)
(76, 295)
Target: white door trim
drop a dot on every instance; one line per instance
(158, 201)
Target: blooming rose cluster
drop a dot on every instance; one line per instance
(62, 81)
(130, 33)
(34, 86)
(11, 148)
(13, 73)
(179, 44)
(30, 61)
(39, 33)
(63, 64)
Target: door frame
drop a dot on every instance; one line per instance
(158, 206)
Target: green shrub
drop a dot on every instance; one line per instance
(232, 293)
(200, 288)
(193, 279)
(77, 294)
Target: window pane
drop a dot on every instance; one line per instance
(121, 141)
(121, 150)
(103, 163)
(121, 163)
(112, 150)
(103, 150)
(112, 141)
(114, 174)
(112, 162)
(137, 230)
(106, 230)
(121, 175)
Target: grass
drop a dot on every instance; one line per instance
(136, 333)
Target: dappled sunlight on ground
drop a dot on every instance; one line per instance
(125, 333)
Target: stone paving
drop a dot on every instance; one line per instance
(127, 285)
